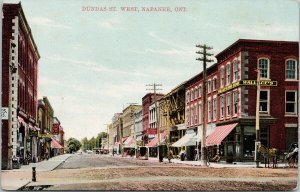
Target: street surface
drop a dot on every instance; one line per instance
(103, 172)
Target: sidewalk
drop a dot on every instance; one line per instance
(9, 182)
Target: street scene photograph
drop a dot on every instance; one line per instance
(139, 95)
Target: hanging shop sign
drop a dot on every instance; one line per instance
(246, 83)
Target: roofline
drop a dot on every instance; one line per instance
(199, 74)
(253, 41)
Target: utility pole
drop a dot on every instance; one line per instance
(257, 142)
(204, 59)
(154, 85)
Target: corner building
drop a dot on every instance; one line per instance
(232, 108)
(278, 111)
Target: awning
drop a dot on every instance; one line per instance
(129, 143)
(55, 144)
(124, 139)
(153, 142)
(189, 139)
(219, 134)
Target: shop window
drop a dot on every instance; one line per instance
(264, 101)
(263, 65)
(291, 70)
(290, 102)
(291, 136)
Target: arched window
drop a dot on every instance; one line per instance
(291, 69)
(264, 66)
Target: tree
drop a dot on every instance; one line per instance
(73, 145)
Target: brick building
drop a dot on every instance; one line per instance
(231, 103)
(19, 82)
(147, 100)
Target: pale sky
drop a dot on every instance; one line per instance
(95, 62)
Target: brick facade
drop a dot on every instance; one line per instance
(20, 51)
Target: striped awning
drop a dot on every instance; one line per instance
(154, 141)
(219, 134)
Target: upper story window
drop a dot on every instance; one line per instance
(200, 112)
(235, 70)
(228, 73)
(196, 114)
(200, 91)
(264, 101)
(235, 102)
(188, 116)
(291, 102)
(209, 86)
(264, 65)
(222, 76)
(228, 103)
(192, 94)
(215, 109)
(187, 96)
(215, 84)
(196, 92)
(209, 111)
(222, 106)
(291, 69)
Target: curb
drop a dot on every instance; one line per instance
(60, 163)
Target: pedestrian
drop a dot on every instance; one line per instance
(170, 155)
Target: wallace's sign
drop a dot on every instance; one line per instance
(245, 83)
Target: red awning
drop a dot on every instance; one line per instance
(153, 142)
(55, 144)
(219, 134)
(129, 143)
(124, 139)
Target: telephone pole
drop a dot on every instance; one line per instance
(204, 59)
(257, 140)
(154, 85)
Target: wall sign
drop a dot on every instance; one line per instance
(246, 83)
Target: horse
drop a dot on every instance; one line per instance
(269, 154)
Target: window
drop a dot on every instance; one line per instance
(200, 112)
(200, 91)
(215, 108)
(228, 104)
(187, 97)
(188, 116)
(196, 115)
(197, 92)
(263, 65)
(263, 101)
(192, 94)
(291, 102)
(209, 86)
(222, 106)
(192, 116)
(209, 111)
(291, 70)
(228, 73)
(215, 84)
(222, 77)
(235, 102)
(235, 70)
